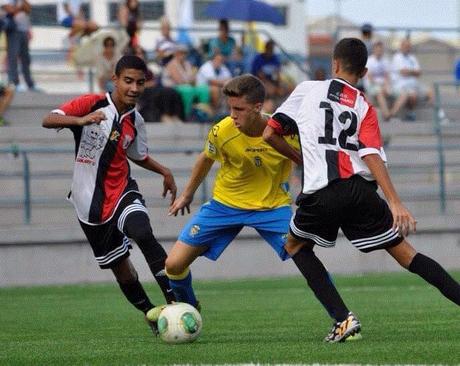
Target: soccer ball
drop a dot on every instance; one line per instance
(179, 323)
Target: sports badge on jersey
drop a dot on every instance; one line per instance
(114, 136)
(195, 229)
(258, 161)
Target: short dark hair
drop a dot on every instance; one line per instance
(352, 53)
(246, 85)
(107, 40)
(130, 62)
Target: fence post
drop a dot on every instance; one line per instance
(26, 178)
(440, 148)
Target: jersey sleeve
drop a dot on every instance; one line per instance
(370, 140)
(212, 147)
(78, 107)
(291, 105)
(138, 150)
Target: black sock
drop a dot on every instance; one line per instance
(320, 282)
(136, 295)
(158, 271)
(137, 227)
(432, 272)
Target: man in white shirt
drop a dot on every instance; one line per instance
(215, 74)
(406, 73)
(377, 80)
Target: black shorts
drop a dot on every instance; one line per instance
(110, 245)
(354, 206)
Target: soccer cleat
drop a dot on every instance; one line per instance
(346, 330)
(151, 317)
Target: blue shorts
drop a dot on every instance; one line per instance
(215, 225)
(67, 22)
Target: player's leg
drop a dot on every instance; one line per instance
(273, 225)
(427, 268)
(208, 233)
(317, 277)
(135, 223)
(128, 281)
(178, 262)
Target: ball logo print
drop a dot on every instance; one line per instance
(179, 323)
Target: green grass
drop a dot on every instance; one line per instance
(268, 321)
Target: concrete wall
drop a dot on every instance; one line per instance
(248, 256)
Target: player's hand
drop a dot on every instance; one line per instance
(94, 117)
(169, 185)
(181, 204)
(403, 220)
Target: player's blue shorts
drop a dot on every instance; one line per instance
(67, 22)
(215, 225)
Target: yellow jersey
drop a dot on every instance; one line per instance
(252, 174)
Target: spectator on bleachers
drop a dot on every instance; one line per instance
(164, 47)
(223, 43)
(6, 96)
(377, 81)
(105, 64)
(214, 74)
(158, 103)
(17, 39)
(367, 33)
(406, 84)
(236, 63)
(129, 19)
(267, 67)
(70, 15)
(179, 74)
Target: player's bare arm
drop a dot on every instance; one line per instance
(199, 172)
(169, 185)
(56, 120)
(402, 218)
(278, 142)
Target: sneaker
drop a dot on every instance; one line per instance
(151, 317)
(341, 331)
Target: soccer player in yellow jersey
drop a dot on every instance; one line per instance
(250, 187)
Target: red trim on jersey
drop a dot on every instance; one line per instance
(344, 165)
(118, 170)
(276, 126)
(82, 105)
(369, 132)
(348, 96)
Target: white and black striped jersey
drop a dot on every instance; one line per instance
(337, 127)
(101, 175)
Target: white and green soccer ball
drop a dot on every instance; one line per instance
(179, 323)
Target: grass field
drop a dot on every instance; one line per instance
(267, 321)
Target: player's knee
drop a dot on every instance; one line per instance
(292, 245)
(137, 227)
(174, 268)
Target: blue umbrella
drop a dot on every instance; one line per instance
(245, 10)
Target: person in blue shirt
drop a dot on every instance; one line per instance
(267, 67)
(223, 43)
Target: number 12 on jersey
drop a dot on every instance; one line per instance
(348, 119)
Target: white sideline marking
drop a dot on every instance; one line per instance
(309, 364)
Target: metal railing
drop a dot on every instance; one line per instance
(27, 176)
